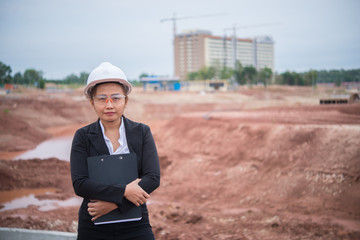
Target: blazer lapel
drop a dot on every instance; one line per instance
(129, 127)
(97, 139)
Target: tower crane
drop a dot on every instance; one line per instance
(174, 19)
(234, 28)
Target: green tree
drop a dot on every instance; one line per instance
(71, 79)
(206, 73)
(265, 75)
(310, 78)
(143, 75)
(32, 77)
(288, 78)
(249, 73)
(238, 73)
(41, 84)
(226, 73)
(192, 76)
(18, 79)
(211, 73)
(292, 78)
(5, 72)
(83, 77)
(75, 79)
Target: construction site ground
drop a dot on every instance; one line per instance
(248, 164)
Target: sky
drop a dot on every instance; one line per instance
(66, 37)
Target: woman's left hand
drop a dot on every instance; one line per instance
(97, 208)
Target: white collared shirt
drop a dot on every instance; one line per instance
(123, 148)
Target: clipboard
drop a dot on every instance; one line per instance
(115, 169)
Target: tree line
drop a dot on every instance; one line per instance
(250, 75)
(313, 77)
(242, 75)
(35, 78)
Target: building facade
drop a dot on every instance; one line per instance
(195, 49)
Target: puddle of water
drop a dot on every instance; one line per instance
(25, 197)
(55, 147)
(7, 196)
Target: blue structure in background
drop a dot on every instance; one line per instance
(155, 83)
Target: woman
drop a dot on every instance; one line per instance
(108, 89)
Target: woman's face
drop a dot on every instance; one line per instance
(109, 102)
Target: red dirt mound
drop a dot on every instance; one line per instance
(24, 119)
(284, 175)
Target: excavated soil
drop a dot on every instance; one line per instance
(251, 164)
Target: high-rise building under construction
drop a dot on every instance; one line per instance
(195, 49)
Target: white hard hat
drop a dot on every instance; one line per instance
(106, 72)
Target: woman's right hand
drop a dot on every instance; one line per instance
(135, 194)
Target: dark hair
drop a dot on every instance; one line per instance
(93, 89)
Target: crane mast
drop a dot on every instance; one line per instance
(174, 19)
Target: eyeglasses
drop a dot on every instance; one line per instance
(103, 99)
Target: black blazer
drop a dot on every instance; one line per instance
(89, 141)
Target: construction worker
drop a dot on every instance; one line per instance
(108, 89)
